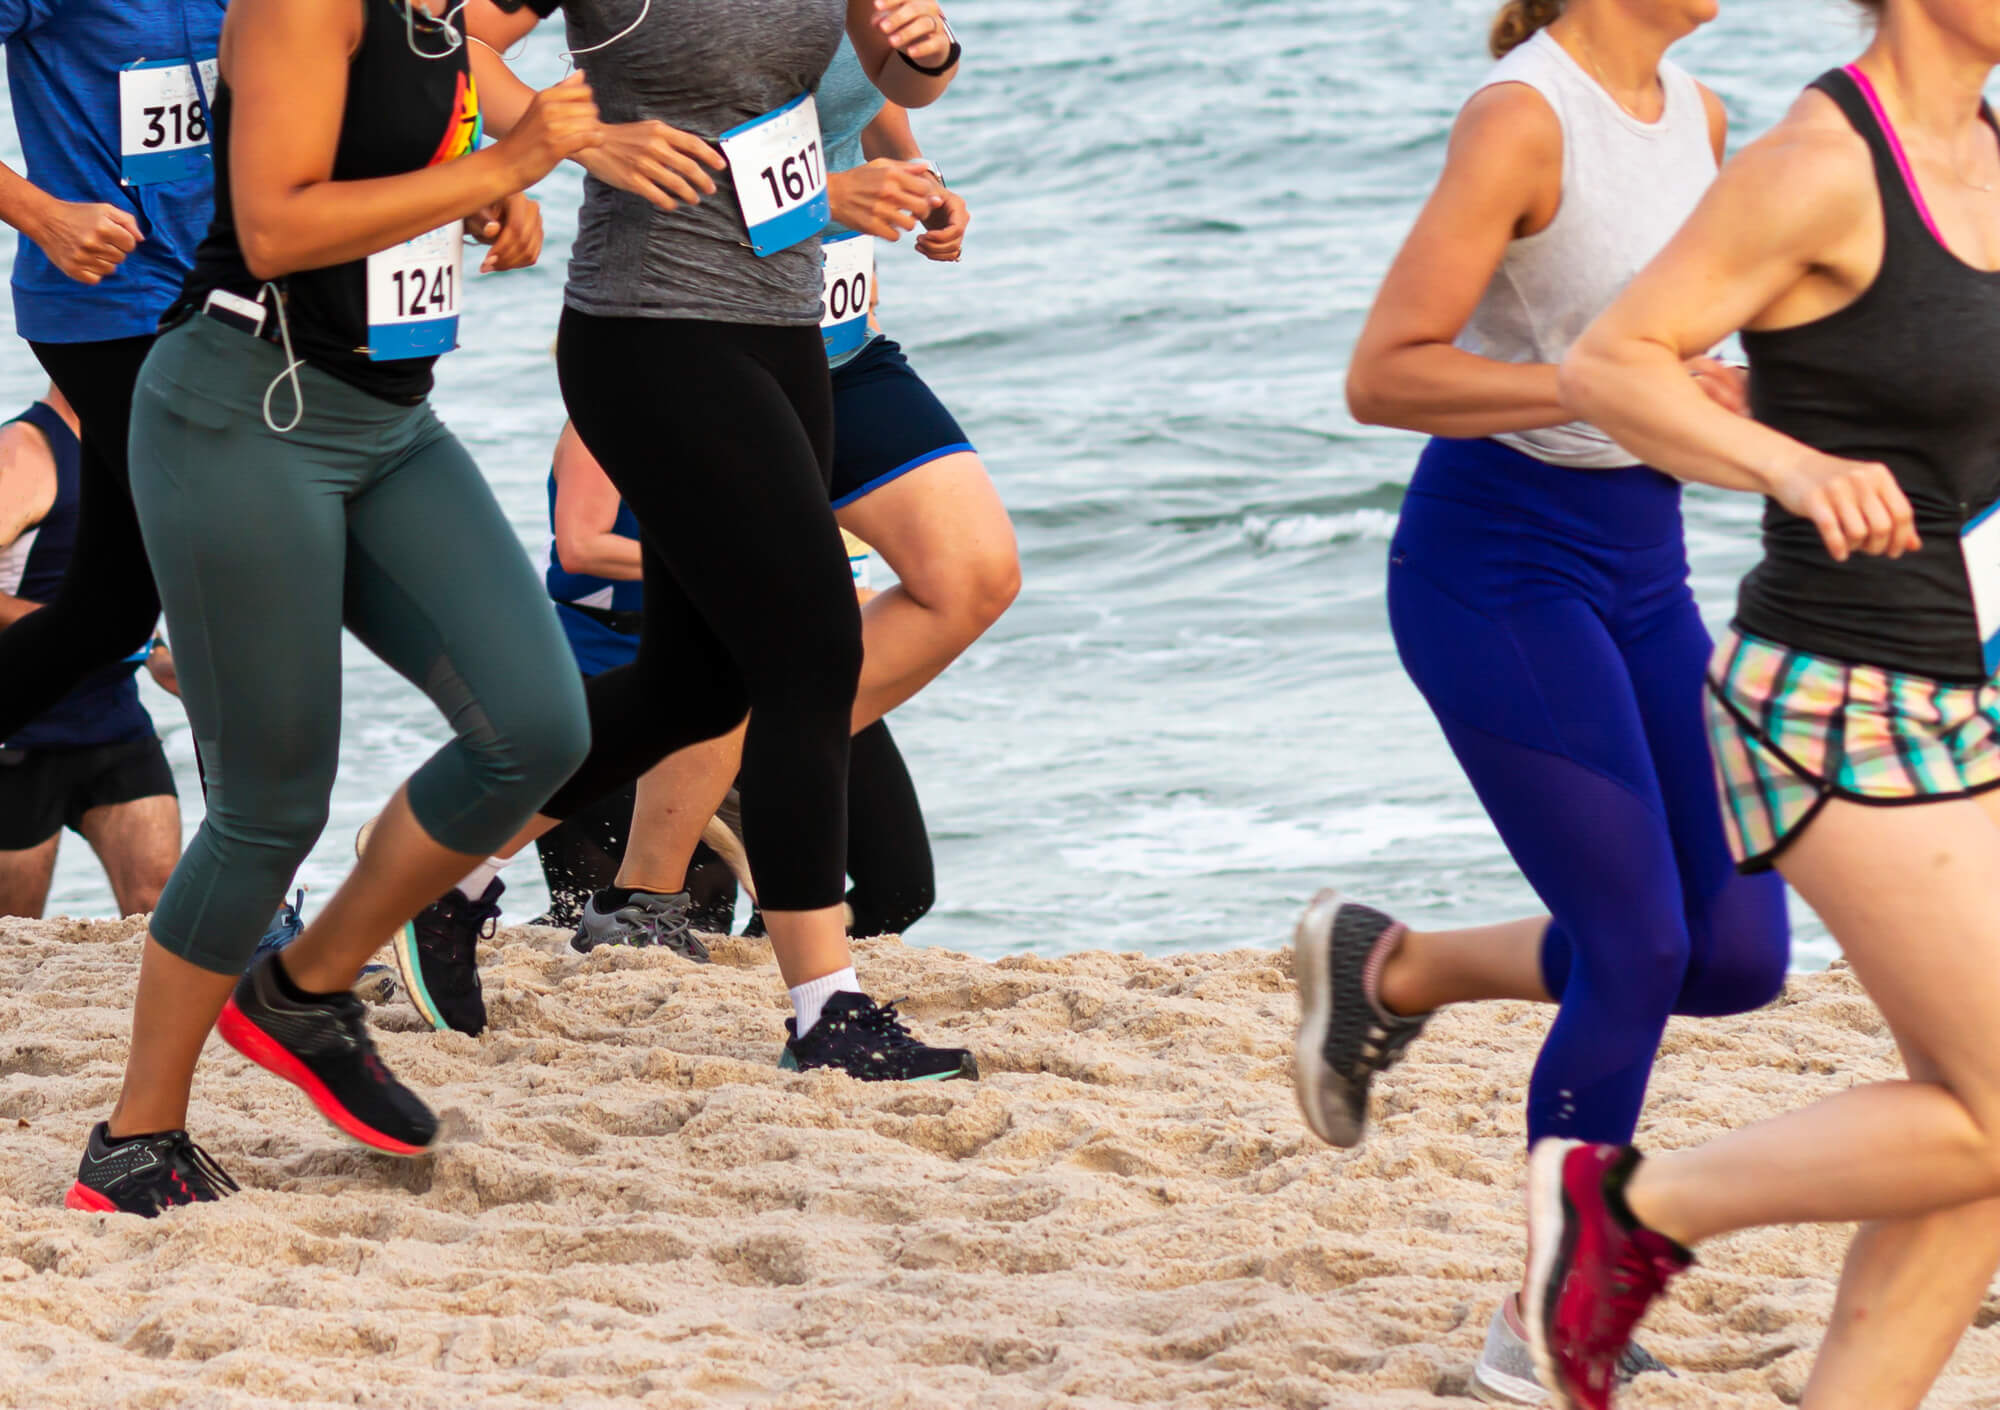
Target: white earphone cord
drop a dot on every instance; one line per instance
(570, 55)
(292, 366)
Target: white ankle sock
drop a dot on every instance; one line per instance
(476, 880)
(810, 997)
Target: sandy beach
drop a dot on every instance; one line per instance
(632, 1206)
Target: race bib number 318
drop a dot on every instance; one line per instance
(779, 171)
(162, 121)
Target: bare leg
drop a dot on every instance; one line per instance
(401, 872)
(24, 879)
(677, 797)
(138, 843)
(1432, 968)
(944, 531)
(1908, 1291)
(177, 1004)
(809, 944)
(1911, 894)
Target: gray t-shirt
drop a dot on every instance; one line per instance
(703, 66)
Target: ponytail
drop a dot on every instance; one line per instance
(1518, 22)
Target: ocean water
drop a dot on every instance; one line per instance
(1194, 715)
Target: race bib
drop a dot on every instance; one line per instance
(1979, 541)
(162, 121)
(413, 296)
(846, 284)
(780, 175)
(860, 560)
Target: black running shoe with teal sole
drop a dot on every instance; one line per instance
(322, 1046)
(1345, 1035)
(867, 1040)
(437, 954)
(145, 1175)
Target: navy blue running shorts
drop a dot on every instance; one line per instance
(886, 422)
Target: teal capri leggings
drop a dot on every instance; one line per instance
(368, 515)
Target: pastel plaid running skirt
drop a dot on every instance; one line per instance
(1790, 730)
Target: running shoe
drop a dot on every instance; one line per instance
(286, 926)
(437, 953)
(1345, 1036)
(321, 1045)
(867, 1040)
(1593, 1270)
(1505, 1371)
(376, 984)
(145, 1175)
(642, 918)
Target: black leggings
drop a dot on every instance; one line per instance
(107, 605)
(719, 436)
(888, 850)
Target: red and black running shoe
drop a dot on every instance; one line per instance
(1593, 1269)
(145, 1175)
(320, 1044)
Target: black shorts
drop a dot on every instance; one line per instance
(42, 791)
(886, 422)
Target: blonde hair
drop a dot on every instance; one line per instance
(1518, 21)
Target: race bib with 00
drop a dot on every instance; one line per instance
(413, 296)
(162, 120)
(846, 284)
(780, 175)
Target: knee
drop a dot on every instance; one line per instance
(989, 584)
(1748, 956)
(552, 741)
(282, 825)
(972, 589)
(529, 738)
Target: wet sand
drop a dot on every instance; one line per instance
(632, 1206)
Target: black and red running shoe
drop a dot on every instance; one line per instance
(320, 1044)
(145, 1175)
(1593, 1269)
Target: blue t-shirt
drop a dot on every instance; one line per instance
(63, 59)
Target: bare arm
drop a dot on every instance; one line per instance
(1718, 123)
(285, 62)
(880, 29)
(1779, 240)
(27, 493)
(1502, 179)
(586, 508)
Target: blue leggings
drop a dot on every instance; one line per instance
(1545, 615)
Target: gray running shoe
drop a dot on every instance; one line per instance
(1345, 1035)
(1505, 1371)
(646, 918)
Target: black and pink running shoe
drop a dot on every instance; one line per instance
(320, 1044)
(1593, 1270)
(145, 1175)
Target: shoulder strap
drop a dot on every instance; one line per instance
(1904, 213)
(62, 441)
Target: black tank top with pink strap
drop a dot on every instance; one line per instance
(1904, 376)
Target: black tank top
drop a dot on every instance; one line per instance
(1902, 376)
(403, 113)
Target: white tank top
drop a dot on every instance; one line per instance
(1627, 186)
